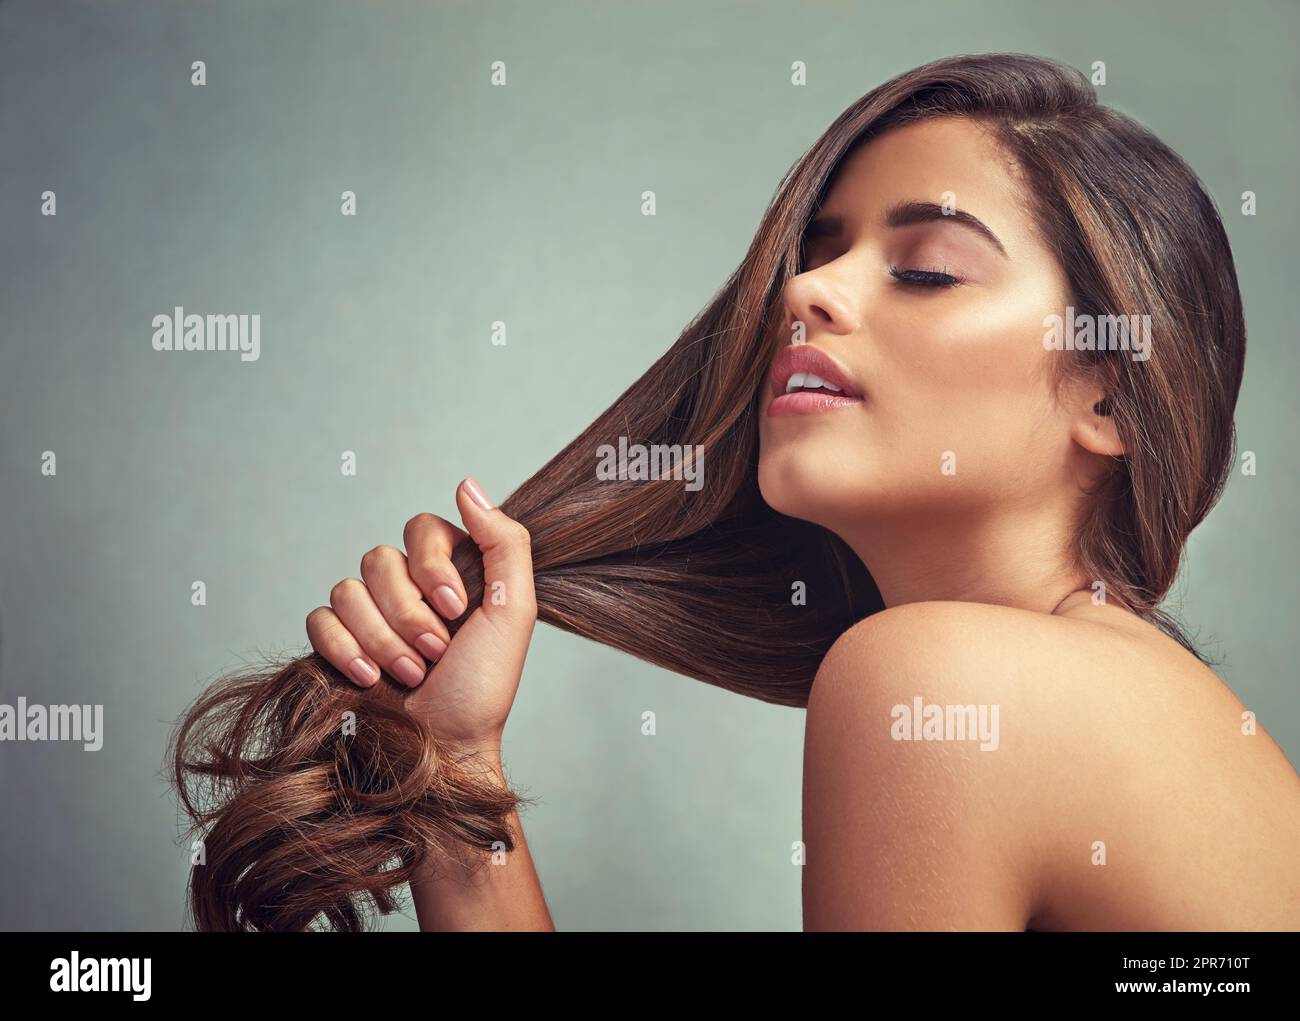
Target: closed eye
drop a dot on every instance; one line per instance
(924, 277)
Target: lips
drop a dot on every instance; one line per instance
(805, 381)
(803, 360)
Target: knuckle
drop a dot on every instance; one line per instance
(323, 628)
(422, 569)
(417, 526)
(376, 557)
(520, 538)
(344, 591)
(410, 620)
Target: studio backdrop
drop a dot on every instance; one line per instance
(454, 233)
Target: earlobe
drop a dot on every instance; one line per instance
(1096, 432)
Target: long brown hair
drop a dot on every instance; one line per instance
(308, 822)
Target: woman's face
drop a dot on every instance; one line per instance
(935, 323)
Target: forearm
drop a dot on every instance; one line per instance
(477, 889)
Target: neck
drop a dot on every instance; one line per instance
(1019, 558)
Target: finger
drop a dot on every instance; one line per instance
(429, 541)
(384, 570)
(357, 611)
(332, 640)
(507, 556)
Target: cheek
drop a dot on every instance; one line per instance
(974, 344)
(968, 379)
(981, 355)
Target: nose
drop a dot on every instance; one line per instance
(815, 299)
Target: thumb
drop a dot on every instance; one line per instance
(508, 595)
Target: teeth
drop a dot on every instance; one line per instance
(816, 381)
(801, 380)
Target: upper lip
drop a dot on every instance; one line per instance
(806, 358)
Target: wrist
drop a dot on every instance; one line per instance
(481, 753)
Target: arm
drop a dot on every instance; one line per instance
(481, 890)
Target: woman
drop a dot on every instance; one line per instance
(954, 416)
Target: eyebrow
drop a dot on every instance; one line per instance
(908, 214)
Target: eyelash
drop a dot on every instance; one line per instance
(932, 278)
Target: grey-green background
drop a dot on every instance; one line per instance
(476, 204)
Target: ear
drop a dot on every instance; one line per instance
(1092, 426)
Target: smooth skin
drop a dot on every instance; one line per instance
(1127, 791)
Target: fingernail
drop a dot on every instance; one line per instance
(407, 671)
(430, 645)
(363, 673)
(447, 602)
(477, 495)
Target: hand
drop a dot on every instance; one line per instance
(383, 621)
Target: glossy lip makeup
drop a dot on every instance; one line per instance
(806, 381)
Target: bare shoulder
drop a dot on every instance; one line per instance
(992, 768)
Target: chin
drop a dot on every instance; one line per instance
(840, 494)
(798, 485)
